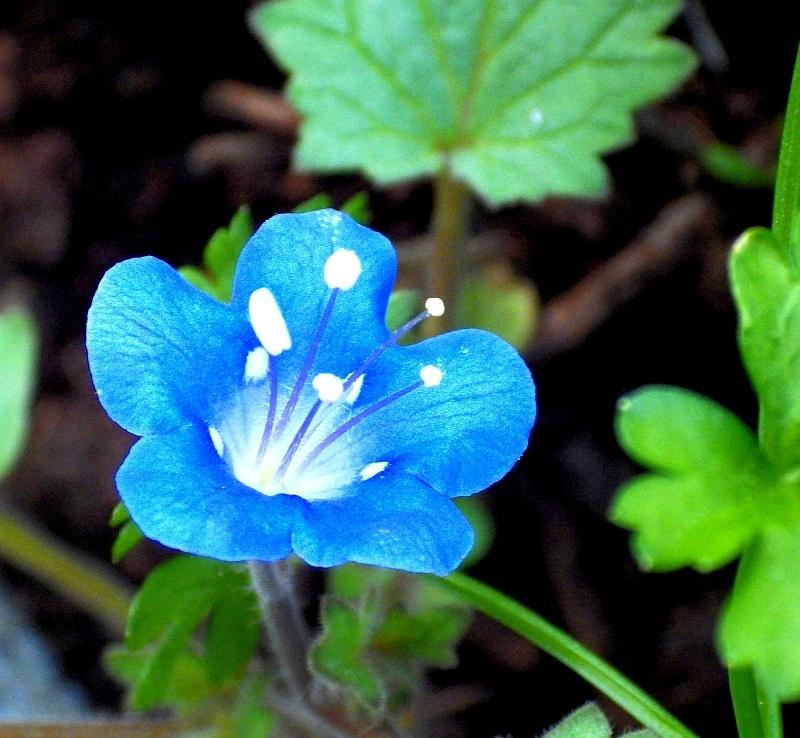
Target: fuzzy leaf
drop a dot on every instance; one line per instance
(761, 622)
(586, 722)
(429, 637)
(18, 348)
(714, 489)
(520, 98)
(768, 298)
(338, 655)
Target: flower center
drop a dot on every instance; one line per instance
(292, 438)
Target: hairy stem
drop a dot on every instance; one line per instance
(452, 206)
(286, 630)
(73, 575)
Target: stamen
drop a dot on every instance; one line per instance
(271, 410)
(306, 369)
(216, 439)
(434, 308)
(268, 323)
(328, 386)
(353, 394)
(431, 376)
(373, 469)
(358, 418)
(342, 269)
(296, 441)
(256, 365)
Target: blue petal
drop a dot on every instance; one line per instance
(181, 494)
(287, 255)
(393, 520)
(161, 352)
(461, 436)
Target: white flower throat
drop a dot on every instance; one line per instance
(292, 435)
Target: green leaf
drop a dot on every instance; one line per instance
(760, 625)
(519, 98)
(220, 257)
(499, 301)
(128, 536)
(338, 655)
(173, 601)
(357, 207)
(18, 349)
(429, 637)
(715, 488)
(474, 510)
(768, 298)
(586, 722)
(188, 686)
(318, 202)
(119, 515)
(402, 307)
(728, 164)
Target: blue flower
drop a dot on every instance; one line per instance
(291, 420)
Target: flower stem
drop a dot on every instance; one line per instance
(73, 575)
(452, 205)
(283, 622)
(568, 651)
(758, 713)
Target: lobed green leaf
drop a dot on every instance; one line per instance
(518, 98)
(714, 487)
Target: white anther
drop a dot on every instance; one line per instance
(435, 307)
(328, 386)
(373, 469)
(355, 390)
(342, 269)
(268, 323)
(216, 439)
(430, 375)
(257, 365)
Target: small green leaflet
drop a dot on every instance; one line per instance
(519, 98)
(18, 349)
(220, 257)
(196, 590)
(128, 535)
(589, 722)
(768, 297)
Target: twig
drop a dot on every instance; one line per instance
(255, 106)
(568, 319)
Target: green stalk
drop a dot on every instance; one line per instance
(78, 578)
(758, 714)
(452, 205)
(786, 207)
(568, 651)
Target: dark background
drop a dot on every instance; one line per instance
(113, 144)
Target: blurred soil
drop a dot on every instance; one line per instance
(133, 128)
